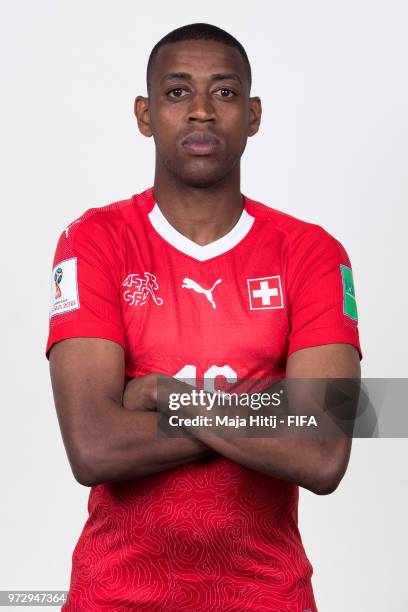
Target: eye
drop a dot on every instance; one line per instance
(177, 92)
(226, 92)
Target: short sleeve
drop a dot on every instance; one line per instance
(84, 288)
(323, 306)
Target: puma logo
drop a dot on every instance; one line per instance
(188, 283)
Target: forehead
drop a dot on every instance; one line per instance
(198, 58)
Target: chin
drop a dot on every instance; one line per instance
(200, 181)
(202, 174)
(199, 172)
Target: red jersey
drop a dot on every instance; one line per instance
(211, 535)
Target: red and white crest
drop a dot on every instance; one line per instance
(265, 293)
(142, 287)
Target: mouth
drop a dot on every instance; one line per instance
(200, 143)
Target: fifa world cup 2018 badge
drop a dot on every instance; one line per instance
(57, 279)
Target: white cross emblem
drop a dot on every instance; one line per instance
(265, 293)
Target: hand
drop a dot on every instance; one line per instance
(141, 392)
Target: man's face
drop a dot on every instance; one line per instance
(199, 110)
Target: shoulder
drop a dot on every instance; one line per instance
(106, 220)
(109, 216)
(299, 234)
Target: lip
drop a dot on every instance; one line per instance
(200, 143)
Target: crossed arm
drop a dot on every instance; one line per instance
(110, 431)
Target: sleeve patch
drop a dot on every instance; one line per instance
(64, 287)
(349, 296)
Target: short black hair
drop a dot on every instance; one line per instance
(198, 31)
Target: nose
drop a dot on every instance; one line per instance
(201, 108)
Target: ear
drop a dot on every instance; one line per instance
(143, 116)
(255, 113)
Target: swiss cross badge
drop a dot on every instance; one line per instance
(265, 293)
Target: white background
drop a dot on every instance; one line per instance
(333, 78)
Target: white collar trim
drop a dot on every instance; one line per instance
(189, 247)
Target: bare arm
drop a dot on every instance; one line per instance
(315, 463)
(104, 441)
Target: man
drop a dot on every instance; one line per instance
(192, 279)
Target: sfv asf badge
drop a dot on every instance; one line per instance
(141, 288)
(265, 293)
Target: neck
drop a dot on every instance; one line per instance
(203, 214)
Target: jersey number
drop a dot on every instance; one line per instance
(189, 372)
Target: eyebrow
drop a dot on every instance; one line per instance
(171, 76)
